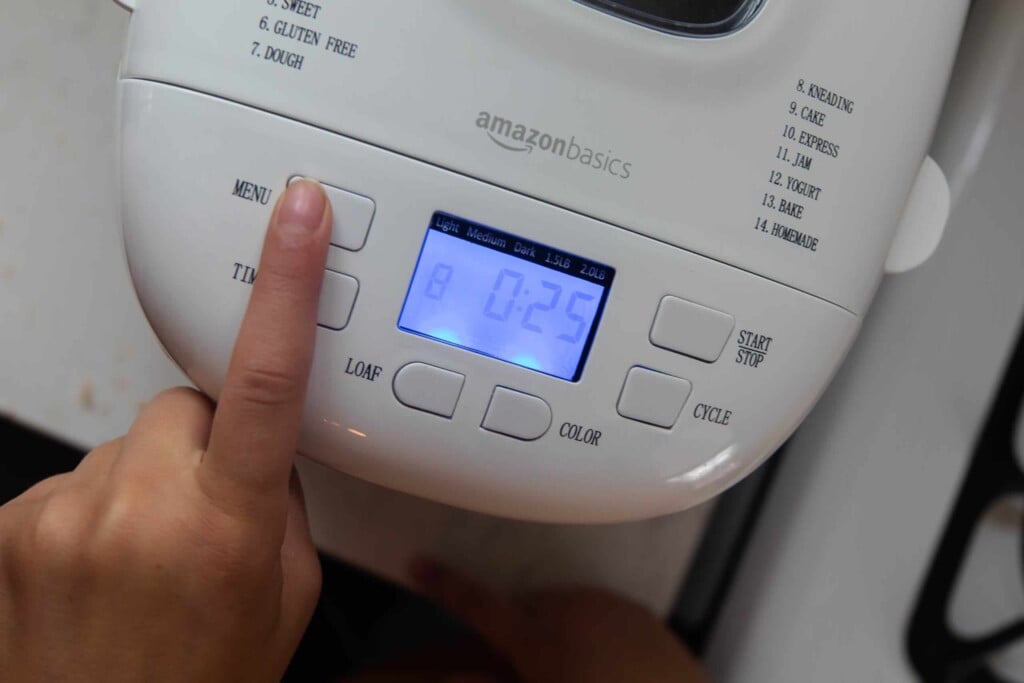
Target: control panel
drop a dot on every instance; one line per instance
(593, 260)
(476, 346)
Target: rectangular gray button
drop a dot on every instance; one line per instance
(428, 388)
(691, 329)
(653, 397)
(518, 415)
(353, 214)
(337, 298)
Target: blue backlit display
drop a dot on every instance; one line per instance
(505, 297)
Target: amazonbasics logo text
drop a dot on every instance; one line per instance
(515, 137)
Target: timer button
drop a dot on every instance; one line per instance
(518, 415)
(427, 388)
(353, 214)
(691, 329)
(337, 298)
(653, 397)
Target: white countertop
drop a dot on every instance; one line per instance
(826, 589)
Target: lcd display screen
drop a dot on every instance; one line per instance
(506, 297)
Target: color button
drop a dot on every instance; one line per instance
(518, 415)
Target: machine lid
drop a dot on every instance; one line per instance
(684, 17)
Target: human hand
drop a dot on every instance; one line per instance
(561, 635)
(181, 551)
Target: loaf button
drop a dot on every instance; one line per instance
(428, 388)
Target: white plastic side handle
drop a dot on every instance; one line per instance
(924, 220)
(127, 4)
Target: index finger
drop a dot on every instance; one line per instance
(255, 428)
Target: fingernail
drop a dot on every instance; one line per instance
(303, 204)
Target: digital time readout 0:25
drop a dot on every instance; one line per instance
(507, 294)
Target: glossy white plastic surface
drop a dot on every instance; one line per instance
(181, 190)
(700, 122)
(767, 173)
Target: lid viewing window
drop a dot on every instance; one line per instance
(684, 17)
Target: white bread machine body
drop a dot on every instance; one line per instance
(693, 226)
